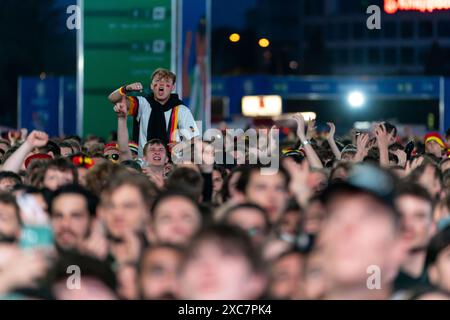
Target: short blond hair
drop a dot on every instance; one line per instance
(164, 74)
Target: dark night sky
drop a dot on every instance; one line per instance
(225, 13)
(230, 13)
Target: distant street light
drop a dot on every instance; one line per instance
(264, 43)
(356, 99)
(235, 37)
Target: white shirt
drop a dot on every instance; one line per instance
(187, 127)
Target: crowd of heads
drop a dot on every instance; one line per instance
(365, 215)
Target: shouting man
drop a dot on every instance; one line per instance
(159, 114)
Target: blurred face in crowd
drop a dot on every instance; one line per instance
(234, 194)
(268, 191)
(275, 247)
(217, 180)
(91, 143)
(214, 272)
(314, 216)
(124, 211)
(252, 221)
(439, 272)
(348, 155)
(90, 289)
(417, 220)
(55, 178)
(9, 222)
(167, 169)
(162, 87)
(175, 220)
(339, 174)
(82, 172)
(430, 181)
(158, 275)
(66, 151)
(359, 232)
(286, 276)
(70, 220)
(313, 277)
(156, 155)
(7, 184)
(290, 223)
(317, 181)
(127, 282)
(434, 148)
(40, 201)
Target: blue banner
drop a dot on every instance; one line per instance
(327, 86)
(39, 104)
(69, 106)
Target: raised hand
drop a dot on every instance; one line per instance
(208, 158)
(402, 157)
(383, 137)
(298, 185)
(383, 140)
(332, 130)
(121, 108)
(137, 86)
(96, 244)
(362, 142)
(156, 178)
(298, 117)
(413, 164)
(311, 130)
(14, 137)
(37, 139)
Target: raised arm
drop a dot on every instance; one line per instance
(332, 142)
(383, 139)
(122, 129)
(116, 96)
(36, 139)
(311, 155)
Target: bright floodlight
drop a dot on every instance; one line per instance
(356, 99)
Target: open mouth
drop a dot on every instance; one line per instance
(161, 90)
(156, 158)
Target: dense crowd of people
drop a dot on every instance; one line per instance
(362, 216)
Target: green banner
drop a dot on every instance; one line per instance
(123, 42)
